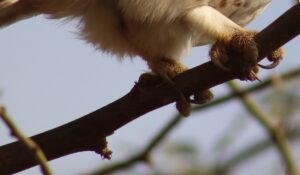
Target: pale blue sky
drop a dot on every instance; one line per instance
(48, 77)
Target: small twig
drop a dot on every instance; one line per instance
(28, 143)
(251, 151)
(275, 131)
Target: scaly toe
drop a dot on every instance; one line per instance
(183, 107)
(243, 48)
(219, 55)
(250, 74)
(238, 53)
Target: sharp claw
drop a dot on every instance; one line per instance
(270, 66)
(253, 74)
(258, 79)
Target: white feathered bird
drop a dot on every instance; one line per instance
(159, 31)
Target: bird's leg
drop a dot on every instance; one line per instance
(230, 40)
(240, 54)
(237, 53)
(234, 47)
(167, 69)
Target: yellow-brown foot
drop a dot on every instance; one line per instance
(238, 53)
(167, 69)
(150, 80)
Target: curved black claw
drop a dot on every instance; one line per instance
(270, 66)
(275, 57)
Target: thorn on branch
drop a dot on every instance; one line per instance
(104, 151)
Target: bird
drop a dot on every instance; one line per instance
(161, 32)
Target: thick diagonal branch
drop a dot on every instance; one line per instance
(88, 132)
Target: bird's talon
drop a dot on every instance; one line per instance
(275, 57)
(253, 76)
(270, 66)
(239, 54)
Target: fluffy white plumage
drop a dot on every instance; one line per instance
(148, 28)
(159, 31)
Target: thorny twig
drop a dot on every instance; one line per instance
(275, 132)
(27, 142)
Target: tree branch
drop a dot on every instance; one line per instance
(143, 155)
(88, 133)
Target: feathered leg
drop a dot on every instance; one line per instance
(167, 69)
(233, 45)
